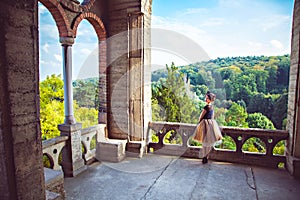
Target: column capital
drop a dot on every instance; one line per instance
(66, 40)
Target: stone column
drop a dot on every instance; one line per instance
(67, 43)
(72, 162)
(293, 125)
(136, 76)
(21, 160)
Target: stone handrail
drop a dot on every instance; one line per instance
(52, 149)
(239, 136)
(87, 135)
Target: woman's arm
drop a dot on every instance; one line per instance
(202, 114)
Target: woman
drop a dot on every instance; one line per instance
(207, 131)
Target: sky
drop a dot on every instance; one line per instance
(184, 32)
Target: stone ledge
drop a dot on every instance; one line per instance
(136, 148)
(111, 150)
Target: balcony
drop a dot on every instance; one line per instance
(171, 177)
(173, 170)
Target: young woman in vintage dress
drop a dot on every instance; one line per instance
(207, 131)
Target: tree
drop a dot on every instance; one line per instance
(86, 92)
(51, 105)
(52, 114)
(258, 120)
(272, 79)
(236, 116)
(280, 113)
(87, 116)
(169, 97)
(51, 89)
(52, 108)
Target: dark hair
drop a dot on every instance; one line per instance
(211, 96)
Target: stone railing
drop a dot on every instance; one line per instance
(239, 135)
(52, 149)
(88, 136)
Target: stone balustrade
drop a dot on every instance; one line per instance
(89, 136)
(54, 177)
(239, 135)
(52, 149)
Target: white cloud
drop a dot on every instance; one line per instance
(86, 51)
(214, 22)
(277, 44)
(45, 47)
(191, 11)
(255, 44)
(58, 57)
(229, 3)
(49, 30)
(272, 21)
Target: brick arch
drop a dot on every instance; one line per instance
(96, 23)
(99, 27)
(60, 17)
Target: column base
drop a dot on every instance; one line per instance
(293, 165)
(73, 169)
(72, 161)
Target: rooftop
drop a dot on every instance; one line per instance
(168, 177)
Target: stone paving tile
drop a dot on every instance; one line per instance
(164, 177)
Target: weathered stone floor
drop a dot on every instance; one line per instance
(165, 177)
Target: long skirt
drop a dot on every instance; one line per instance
(208, 133)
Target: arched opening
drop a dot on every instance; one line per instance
(86, 75)
(50, 74)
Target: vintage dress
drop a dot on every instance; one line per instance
(207, 131)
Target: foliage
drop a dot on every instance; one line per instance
(172, 138)
(236, 116)
(227, 143)
(51, 89)
(52, 108)
(279, 148)
(258, 120)
(51, 116)
(256, 85)
(254, 145)
(86, 92)
(261, 82)
(170, 100)
(87, 116)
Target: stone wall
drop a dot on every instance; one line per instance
(129, 73)
(293, 126)
(21, 164)
(147, 10)
(118, 67)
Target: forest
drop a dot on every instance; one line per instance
(251, 93)
(248, 88)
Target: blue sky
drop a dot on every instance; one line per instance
(229, 27)
(220, 27)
